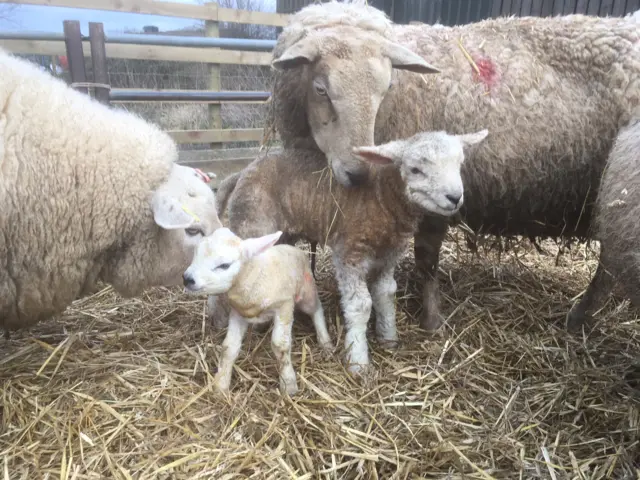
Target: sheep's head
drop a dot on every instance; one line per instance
(219, 259)
(430, 164)
(346, 73)
(182, 211)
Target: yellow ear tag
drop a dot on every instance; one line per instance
(190, 213)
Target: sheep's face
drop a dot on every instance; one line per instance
(182, 213)
(347, 73)
(219, 259)
(430, 164)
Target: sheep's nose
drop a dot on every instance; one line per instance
(454, 198)
(188, 280)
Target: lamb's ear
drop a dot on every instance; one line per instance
(169, 214)
(303, 52)
(384, 154)
(255, 246)
(470, 139)
(404, 59)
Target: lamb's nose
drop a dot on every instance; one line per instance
(454, 198)
(188, 280)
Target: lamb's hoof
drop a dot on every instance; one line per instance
(431, 322)
(360, 369)
(222, 390)
(327, 350)
(576, 320)
(389, 344)
(365, 373)
(288, 389)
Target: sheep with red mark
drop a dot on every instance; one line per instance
(553, 91)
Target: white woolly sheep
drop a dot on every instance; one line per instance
(616, 227)
(113, 205)
(553, 91)
(261, 281)
(368, 228)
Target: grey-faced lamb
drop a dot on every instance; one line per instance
(553, 91)
(112, 204)
(367, 228)
(616, 226)
(260, 281)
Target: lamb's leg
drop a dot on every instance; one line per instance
(427, 243)
(218, 311)
(230, 349)
(310, 304)
(281, 344)
(597, 292)
(356, 305)
(383, 292)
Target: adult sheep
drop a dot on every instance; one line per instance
(553, 92)
(616, 227)
(88, 194)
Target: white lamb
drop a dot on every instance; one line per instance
(87, 193)
(367, 228)
(261, 281)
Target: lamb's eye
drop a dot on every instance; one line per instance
(223, 266)
(193, 231)
(416, 171)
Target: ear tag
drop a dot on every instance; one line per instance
(195, 217)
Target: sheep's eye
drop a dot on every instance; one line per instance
(416, 171)
(320, 90)
(193, 231)
(223, 266)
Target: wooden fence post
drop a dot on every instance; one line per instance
(99, 62)
(215, 118)
(75, 56)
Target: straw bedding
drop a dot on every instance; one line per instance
(122, 388)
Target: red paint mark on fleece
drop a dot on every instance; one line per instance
(487, 72)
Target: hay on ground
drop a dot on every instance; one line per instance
(122, 389)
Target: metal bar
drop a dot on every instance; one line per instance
(133, 95)
(73, 43)
(99, 61)
(160, 40)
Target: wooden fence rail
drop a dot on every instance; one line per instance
(208, 11)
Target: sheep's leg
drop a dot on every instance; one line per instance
(281, 344)
(230, 349)
(383, 294)
(218, 311)
(427, 243)
(356, 305)
(597, 292)
(310, 304)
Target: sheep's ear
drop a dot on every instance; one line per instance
(169, 214)
(384, 154)
(302, 52)
(470, 139)
(255, 246)
(404, 59)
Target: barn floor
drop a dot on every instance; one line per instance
(122, 388)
